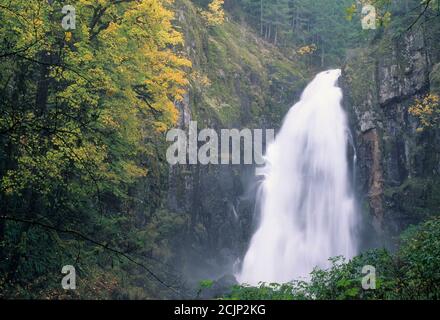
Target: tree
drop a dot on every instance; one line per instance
(427, 110)
(81, 115)
(215, 14)
(294, 25)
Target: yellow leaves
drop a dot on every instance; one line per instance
(350, 12)
(87, 57)
(160, 126)
(309, 49)
(110, 31)
(200, 79)
(124, 171)
(40, 166)
(427, 110)
(215, 14)
(170, 115)
(134, 44)
(179, 93)
(68, 36)
(134, 171)
(432, 98)
(90, 2)
(38, 22)
(112, 28)
(109, 121)
(137, 52)
(386, 19)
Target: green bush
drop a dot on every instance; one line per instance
(413, 272)
(419, 261)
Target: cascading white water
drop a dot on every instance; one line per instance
(307, 209)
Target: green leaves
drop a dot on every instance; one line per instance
(420, 261)
(78, 139)
(412, 273)
(206, 284)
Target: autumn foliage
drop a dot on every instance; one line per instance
(215, 14)
(81, 119)
(427, 110)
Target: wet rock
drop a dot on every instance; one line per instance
(403, 72)
(380, 84)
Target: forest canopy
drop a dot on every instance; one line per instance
(81, 112)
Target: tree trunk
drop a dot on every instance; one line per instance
(261, 17)
(42, 84)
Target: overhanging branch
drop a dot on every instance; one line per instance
(86, 238)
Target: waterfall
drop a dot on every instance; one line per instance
(306, 209)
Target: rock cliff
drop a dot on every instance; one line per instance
(398, 167)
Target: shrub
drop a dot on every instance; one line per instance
(413, 272)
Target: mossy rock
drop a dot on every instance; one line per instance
(416, 199)
(249, 81)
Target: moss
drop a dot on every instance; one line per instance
(385, 47)
(360, 72)
(416, 198)
(250, 80)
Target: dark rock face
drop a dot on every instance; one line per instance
(398, 168)
(403, 71)
(238, 81)
(219, 212)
